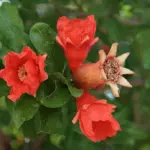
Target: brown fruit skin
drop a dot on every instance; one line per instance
(88, 76)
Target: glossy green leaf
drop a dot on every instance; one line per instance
(10, 16)
(24, 110)
(11, 27)
(4, 117)
(57, 98)
(48, 121)
(44, 40)
(28, 129)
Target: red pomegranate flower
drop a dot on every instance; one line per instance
(95, 117)
(23, 72)
(108, 70)
(76, 36)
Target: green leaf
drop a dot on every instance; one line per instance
(45, 89)
(29, 130)
(11, 27)
(24, 110)
(10, 16)
(44, 40)
(3, 88)
(10, 105)
(74, 91)
(4, 117)
(3, 50)
(58, 98)
(143, 40)
(48, 121)
(76, 128)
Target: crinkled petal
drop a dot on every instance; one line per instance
(10, 75)
(27, 54)
(17, 91)
(104, 129)
(86, 124)
(32, 79)
(41, 64)
(99, 111)
(115, 124)
(12, 60)
(77, 30)
(85, 99)
(2, 73)
(62, 21)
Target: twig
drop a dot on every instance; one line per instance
(38, 143)
(4, 142)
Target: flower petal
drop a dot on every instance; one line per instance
(41, 63)
(103, 75)
(10, 75)
(122, 58)
(85, 99)
(86, 38)
(62, 21)
(76, 117)
(94, 41)
(115, 89)
(32, 79)
(2, 73)
(99, 111)
(104, 129)
(26, 54)
(126, 71)
(115, 124)
(60, 42)
(17, 91)
(12, 60)
(102, 56)
(124, 82)
(113, 50)
(86, 124)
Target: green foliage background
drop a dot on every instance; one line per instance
(33, 23)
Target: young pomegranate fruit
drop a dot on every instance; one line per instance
(107, 70)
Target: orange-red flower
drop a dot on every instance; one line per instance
(107, 70)
(23, 72)
(76, 36)
(95, 117)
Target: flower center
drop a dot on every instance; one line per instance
(112, 70)
(22, 73)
